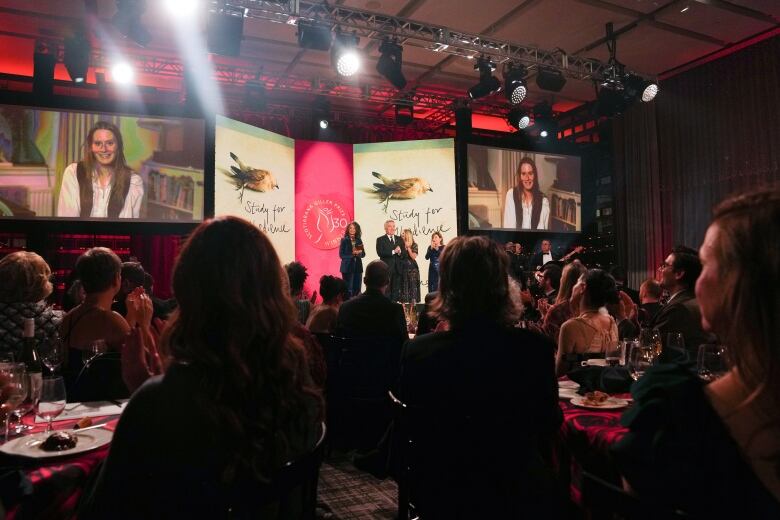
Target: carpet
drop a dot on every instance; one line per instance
(352, 494)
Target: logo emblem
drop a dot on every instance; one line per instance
(324, 222)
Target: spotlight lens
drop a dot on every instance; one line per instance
(123, 73)
(348, 63)
(323, 123)
(543, 133)
(524, 122)
(518, 94)
(79, 80)
(649, 93)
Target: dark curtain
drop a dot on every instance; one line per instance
(713, 131)
(157, 254)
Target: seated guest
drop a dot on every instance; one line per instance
(561, 311)
(713, 450)
(481, 451)
(372, 313)
(618, 272)
(427, 322)
(161, 308)
(99, 271)
(235, 403)
(324, 316)
(625, 312)
(542, 257)
(24, 287)
(681, 313)
(133, 275)
(593, 331)
(550, 282)
(296, 272)
(74, 294)
(649, 301)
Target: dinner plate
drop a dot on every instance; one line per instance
(610, 404)
(567, 383)
(30, 445)
(567, 393)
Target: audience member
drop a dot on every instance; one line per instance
(23, 291)
(372, 313)
(426, 321)
(297, 275)
(324, 317)
(235, 403)
(649, 301)
(467, 383)
(517, 260)
(542, 257)
(561, 310)
(550, 282)
(133, 275)
(74, 295)
(161, 308)
(594, 330)
(713, 450)
(681, 313)
(618, 272)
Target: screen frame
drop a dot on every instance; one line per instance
(120, 108)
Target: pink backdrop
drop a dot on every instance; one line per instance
(323, 206)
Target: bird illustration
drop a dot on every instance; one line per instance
(410, 188)
(254, 179)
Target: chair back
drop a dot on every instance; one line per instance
(604, 500)
(100, 380)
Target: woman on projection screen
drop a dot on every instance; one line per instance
(525, 206)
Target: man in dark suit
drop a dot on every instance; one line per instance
(388, 249)
(371, 313)
(681, 313)
(543, 256)
(517, 260)
(649, 300)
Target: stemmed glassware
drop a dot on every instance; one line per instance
(711, 363)
(96, 347)
(52, 401)
(52, 351)
(15, 386)
(641, 358)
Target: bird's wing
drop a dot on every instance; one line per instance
(258, 175)
(380, 187)
(238, 161)
(236, 171)
(402, 184)
(382, 178)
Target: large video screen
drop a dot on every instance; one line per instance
(99, 166)
(523, 191)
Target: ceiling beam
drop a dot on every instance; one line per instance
(741, 10)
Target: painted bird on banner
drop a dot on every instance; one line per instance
(410, 188)
(250, 178)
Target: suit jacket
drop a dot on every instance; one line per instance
(681, 314)
(536, 260)
(349, 262)
(372, 314)
(384, 250)
(487, 399)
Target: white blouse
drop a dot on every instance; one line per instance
(509, 213)
(69, 203)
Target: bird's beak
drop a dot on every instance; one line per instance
(430, 189)
(276, 186)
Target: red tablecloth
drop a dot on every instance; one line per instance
(57, 483)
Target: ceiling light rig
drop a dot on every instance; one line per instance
(488, 83)
(515, 87)
(345, 55)
(390, 62)
(519, 118)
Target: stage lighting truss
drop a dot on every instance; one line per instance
(390, 62)
(515, 86)
(488, 84)
(345, 54)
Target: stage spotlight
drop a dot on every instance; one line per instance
(128, 22)
(519, 118)
(76, 58)
(314, 36)
(345, 55)
(515, 87)
(255, 95)
(324, 123)
(122, 73)
(44, 61)
(488, 83)
(390, 62)
(184, 8)
(404, 113)
(610, 101)
(550, 79)
(225, 30)
(321, 112)
(543, 119)
(638, 87)
(543, 133)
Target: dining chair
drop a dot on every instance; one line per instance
(606, 501)
(100, 380)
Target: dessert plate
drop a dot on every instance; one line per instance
(610, 404)
(30, 445)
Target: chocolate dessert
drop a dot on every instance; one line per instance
(59, 441)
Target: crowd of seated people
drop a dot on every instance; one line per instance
(236, 363)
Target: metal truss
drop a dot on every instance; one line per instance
(432, 37)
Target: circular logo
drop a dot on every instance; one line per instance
(324, 222)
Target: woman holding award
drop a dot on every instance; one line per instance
(351, 251)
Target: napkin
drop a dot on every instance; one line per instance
(93, 409)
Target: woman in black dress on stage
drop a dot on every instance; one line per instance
(351, 251)
(434, 250)
(410, 272)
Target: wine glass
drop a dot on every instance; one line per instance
(626, 346)
(52, 401)
(33, 393)
(675, 343)
(711, 362)
(52, 351)
(640, 359)
(651, 338)
(614, 354)
(96, 347)
(14, 389)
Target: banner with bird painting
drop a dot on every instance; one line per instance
(411, 183)
(255, 180)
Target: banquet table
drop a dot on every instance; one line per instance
(583, 444)
(54, 485)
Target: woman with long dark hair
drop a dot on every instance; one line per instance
(525, 206)
(101, 185)
(235, 402)
(351, 251)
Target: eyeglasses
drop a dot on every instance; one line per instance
(664, 266)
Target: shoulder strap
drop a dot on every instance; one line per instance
(85, 189)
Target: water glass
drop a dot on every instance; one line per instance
(52, 351)
(14, 389)
(711, 362)
(614, 354)
(52, 401)
(651, 338)
(626, 346)
(96, 347)
(641, 358)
